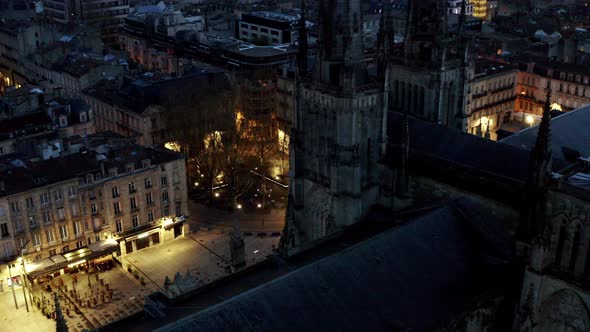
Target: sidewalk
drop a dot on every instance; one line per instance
(205, 254)
(15, 320)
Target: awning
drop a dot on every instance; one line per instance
(58, 262)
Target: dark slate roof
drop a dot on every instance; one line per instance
(136, 94)
(20, 175)
(447, 144)
(417, 276)
(30, 123)
(568, 132)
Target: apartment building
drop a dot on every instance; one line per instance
(34, 124)
(107, 189)
(570, 88)
(106, 15)
(149, 36)
(136, 106)
(490, 98)
(268, 28)
(54, 57)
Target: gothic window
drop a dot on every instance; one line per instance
(575, 248)
(560, 243)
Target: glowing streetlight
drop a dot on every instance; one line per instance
(216, 194)
(259, 205)
(530, 120)
(239, 206)
(196, 184)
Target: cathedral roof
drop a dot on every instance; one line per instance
(418, 275)
(569, 137)
(441, 143)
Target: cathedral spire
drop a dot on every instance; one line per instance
(341, 61)
(303, 45)
(532, 217)
(385, 38)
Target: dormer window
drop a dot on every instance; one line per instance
(129, 168)
(145, 163)
(83, 117)
(113, 171)
(89, 178)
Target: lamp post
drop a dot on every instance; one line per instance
(530, 120)
(12, 285)
(24, 274)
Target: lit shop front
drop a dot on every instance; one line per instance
(166, 230)
(89, 258)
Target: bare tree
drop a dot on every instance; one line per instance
(196, 123)
(236, 173)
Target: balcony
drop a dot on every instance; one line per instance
(490, 105)
(503, 88)
(479, 95)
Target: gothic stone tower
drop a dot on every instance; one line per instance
(337, 134)
(428, 78)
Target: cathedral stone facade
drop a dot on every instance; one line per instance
(429, 73)
(358, 142)
(338, 131)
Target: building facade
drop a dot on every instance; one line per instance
(337, 133)
(139, 106)
(149, 36)
(490, 98)
(104, 196)
(456, 7)
(429, 72)
(570, 86)
(268, 28)
(108, 16)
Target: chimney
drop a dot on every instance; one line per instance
(530, 67)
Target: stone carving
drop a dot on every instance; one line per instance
(564, 311)
(180, 285)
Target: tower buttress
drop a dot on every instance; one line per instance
(533, 214)
(341, 60)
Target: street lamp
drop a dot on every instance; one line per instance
(12, 285)
(530, 120)
(24, 274)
